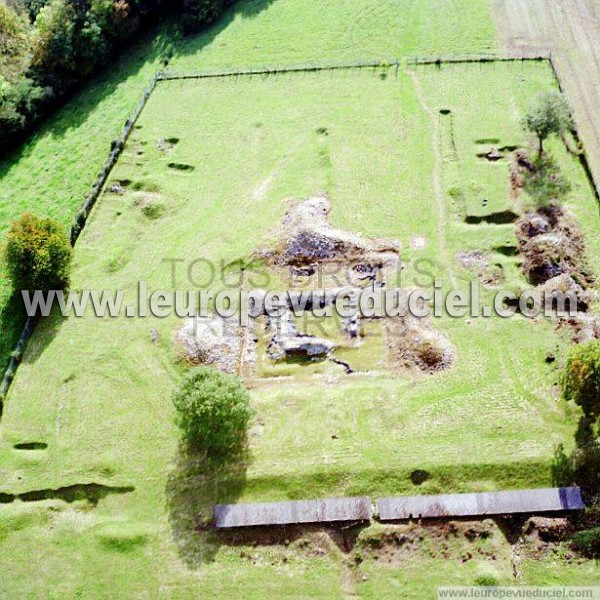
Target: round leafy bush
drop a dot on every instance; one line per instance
(37, 254)
(213, 410)
(580, 378)
(588, 542)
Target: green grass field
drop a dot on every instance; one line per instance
(39, 176)
(97, 392)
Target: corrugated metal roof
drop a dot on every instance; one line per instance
(289, 513)
(487, 503)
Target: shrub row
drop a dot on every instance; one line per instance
(48, 47)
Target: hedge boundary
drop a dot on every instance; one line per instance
(118, 144)
(81, 217)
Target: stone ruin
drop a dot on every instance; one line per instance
(301, 245)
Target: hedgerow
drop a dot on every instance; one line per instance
(48, 47)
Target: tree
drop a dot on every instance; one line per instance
(580, 379)
(66, 44)
(37, 254)
(213, 410)
(47, 47)
(199, 13)
(550, 114)
(545, 183)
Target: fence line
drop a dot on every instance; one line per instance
(583, 159)
(81, 217)
(15, 359)
(118, 144)
(275, 70)
(361, 64)
(116, 148)
(484, 57)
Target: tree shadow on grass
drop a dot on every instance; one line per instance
(193, 487)
(580, 467)
(12, 321)
(253, 7)
(43, 333)
(191, 44)
(157, 41)
(75, 109)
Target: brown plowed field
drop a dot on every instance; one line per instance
(570, 29)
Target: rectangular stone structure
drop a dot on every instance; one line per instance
(480, 504)
(292, 513)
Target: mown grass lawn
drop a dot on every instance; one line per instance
(52, 173)
(98, 391)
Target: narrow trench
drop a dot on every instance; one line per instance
(342, 363)
(92, 492)
(31, 446)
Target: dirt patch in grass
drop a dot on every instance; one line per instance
(117, 188)
(493, 540)
(312, 540)
(542, 536)
(152, 206)
(554, 259)
(451, 540)
(464, 540)
(305, 236)
(582, 328)
(552, 244)
(414, 343)
(491, 155)
(212, 341)
(477, 263)
(166, 144)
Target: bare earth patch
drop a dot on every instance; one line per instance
(211, 341)
(305, 236)
(304, 246)
(477, 263)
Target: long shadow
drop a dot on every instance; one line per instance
(193, 487)
(155, 43)
(12, 321)
(191, 44)
(75, 109)
(46, 329)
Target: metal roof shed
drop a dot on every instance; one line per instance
(291, 513)
(480, 504)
